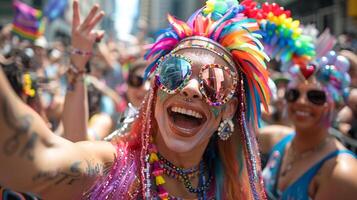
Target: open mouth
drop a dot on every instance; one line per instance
(186, 121)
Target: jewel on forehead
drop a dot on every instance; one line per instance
(307, 70)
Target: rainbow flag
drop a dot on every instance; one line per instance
(27, 22)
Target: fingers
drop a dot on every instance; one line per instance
(90, 16)
(100, 35)
(97, 35)
(76, 18)
(95, 21)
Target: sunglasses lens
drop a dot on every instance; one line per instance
(292, 95)
(217, 83)
(173, 71)
(317, 97)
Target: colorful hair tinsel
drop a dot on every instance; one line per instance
(282, 35)
(127, 178)
(224, 22)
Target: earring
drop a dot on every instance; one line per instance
(225, 129)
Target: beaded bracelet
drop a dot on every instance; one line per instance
(75, 70)
(81, 52)
(72, 75)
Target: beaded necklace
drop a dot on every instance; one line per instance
(177, 172)
(159, 165)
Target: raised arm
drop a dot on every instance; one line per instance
(35, 160)
(75, 113)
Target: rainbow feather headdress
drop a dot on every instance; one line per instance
(223, 21)
(282, 36)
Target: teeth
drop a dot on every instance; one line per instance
(302, 113)
(186, 112)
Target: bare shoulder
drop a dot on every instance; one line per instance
(340, 178)
(271, 135)
(345, 115)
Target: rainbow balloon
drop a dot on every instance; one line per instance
(282, 35)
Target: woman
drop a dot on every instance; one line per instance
(309, 163)
(192, 139)
(136, 89)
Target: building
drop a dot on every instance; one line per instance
(337, 15)
(154, 12)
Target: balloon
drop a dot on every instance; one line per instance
(331, 56)
(323, 61)
(324, 73)
(342, 63)
(347, 79)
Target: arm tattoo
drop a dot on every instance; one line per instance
(13, 143)
(74, 174)
(96, 169)
(57, 178)
(20, 127)
(27, 150)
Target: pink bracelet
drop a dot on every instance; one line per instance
(81, 52)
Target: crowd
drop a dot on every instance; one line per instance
(96, 120)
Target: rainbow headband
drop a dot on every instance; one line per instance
(331, 71)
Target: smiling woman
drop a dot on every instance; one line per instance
(194, 135)
(192, 138)
(309, 163)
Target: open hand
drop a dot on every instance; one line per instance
(83, 33)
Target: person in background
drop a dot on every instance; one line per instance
(308, 163)
(352, 58)
(137, 88)
(347, 118)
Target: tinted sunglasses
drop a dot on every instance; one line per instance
(135, 80)
(316, 97)
(217, 82)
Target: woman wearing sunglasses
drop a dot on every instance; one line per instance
(311, 164)
(137, 85)
(135, 92)
(193, 138)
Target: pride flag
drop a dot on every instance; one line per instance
(27, 22)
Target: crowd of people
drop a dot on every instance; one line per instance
(215, 108)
